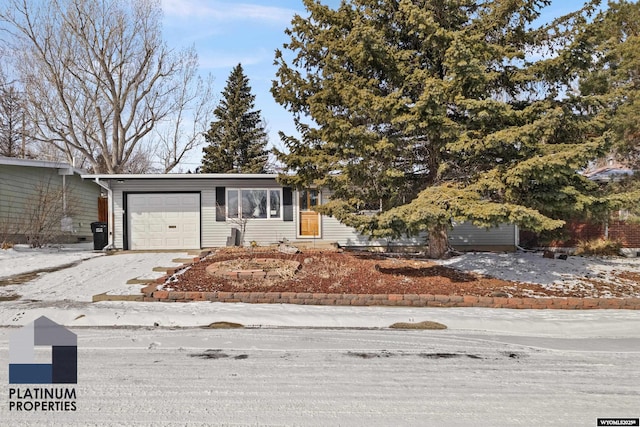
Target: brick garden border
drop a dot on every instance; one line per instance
(151, 294)
(406, 300)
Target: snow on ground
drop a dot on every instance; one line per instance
(93, 276)
(148, 364)
(65, 295)
(576, 272)
(22, 259)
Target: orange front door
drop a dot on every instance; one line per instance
(309, 219)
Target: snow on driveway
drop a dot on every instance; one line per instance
(22, 259)
(95, 276)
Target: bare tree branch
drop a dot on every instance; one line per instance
(99, 79)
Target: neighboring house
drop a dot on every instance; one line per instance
(185, 211)
(45, 202)
(613, 172)
(617, 227)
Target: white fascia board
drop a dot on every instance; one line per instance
(65, 168)
(182, 176)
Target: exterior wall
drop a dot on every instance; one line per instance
(467, 236)
(268, 231)
(213, 233)
(335, 231)
(86, 196)
(464, 236)
(19, 186)
(626, 232)
(575, 231)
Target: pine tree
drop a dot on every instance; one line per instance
(610, 47)
(431, 112)
(609, 54)
(237, 139)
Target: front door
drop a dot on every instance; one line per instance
(309, 219)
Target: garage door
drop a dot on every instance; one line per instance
(164, 221)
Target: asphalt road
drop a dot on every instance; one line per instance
(330, 377)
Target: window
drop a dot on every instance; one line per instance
(232, 203)
(254, 203)
(274, 200)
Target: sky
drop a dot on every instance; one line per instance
(226, 32)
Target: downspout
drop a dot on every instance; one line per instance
(110, 224)
(64, 195)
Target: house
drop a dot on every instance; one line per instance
(608, 170)
(618, 227)
(43, 202)
(192, 211)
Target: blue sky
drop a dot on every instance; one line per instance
(227, 32)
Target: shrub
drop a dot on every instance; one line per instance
(599, 247)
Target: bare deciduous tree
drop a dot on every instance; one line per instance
(98, 76)
(13, 124)
(184, 131)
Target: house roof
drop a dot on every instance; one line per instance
(15, 161)
(184, 176)
(609, 173)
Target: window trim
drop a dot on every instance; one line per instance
(239, 190)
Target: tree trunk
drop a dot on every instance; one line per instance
(438, 242)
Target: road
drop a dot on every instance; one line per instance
(347, 377)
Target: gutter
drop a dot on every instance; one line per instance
(110, 223)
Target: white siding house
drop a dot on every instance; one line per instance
(183, 211)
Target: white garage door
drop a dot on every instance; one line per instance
(164, 221)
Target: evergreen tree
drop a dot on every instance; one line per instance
(237, 139)
(610, 47)
(432, 112)
(609, 52)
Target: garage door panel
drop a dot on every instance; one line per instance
(164, 221)
(189, 228)
(154, 228)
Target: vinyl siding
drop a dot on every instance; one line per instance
(19, 186)
(461, 236)
(268, 231)
(467, 234)
(213, 233)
